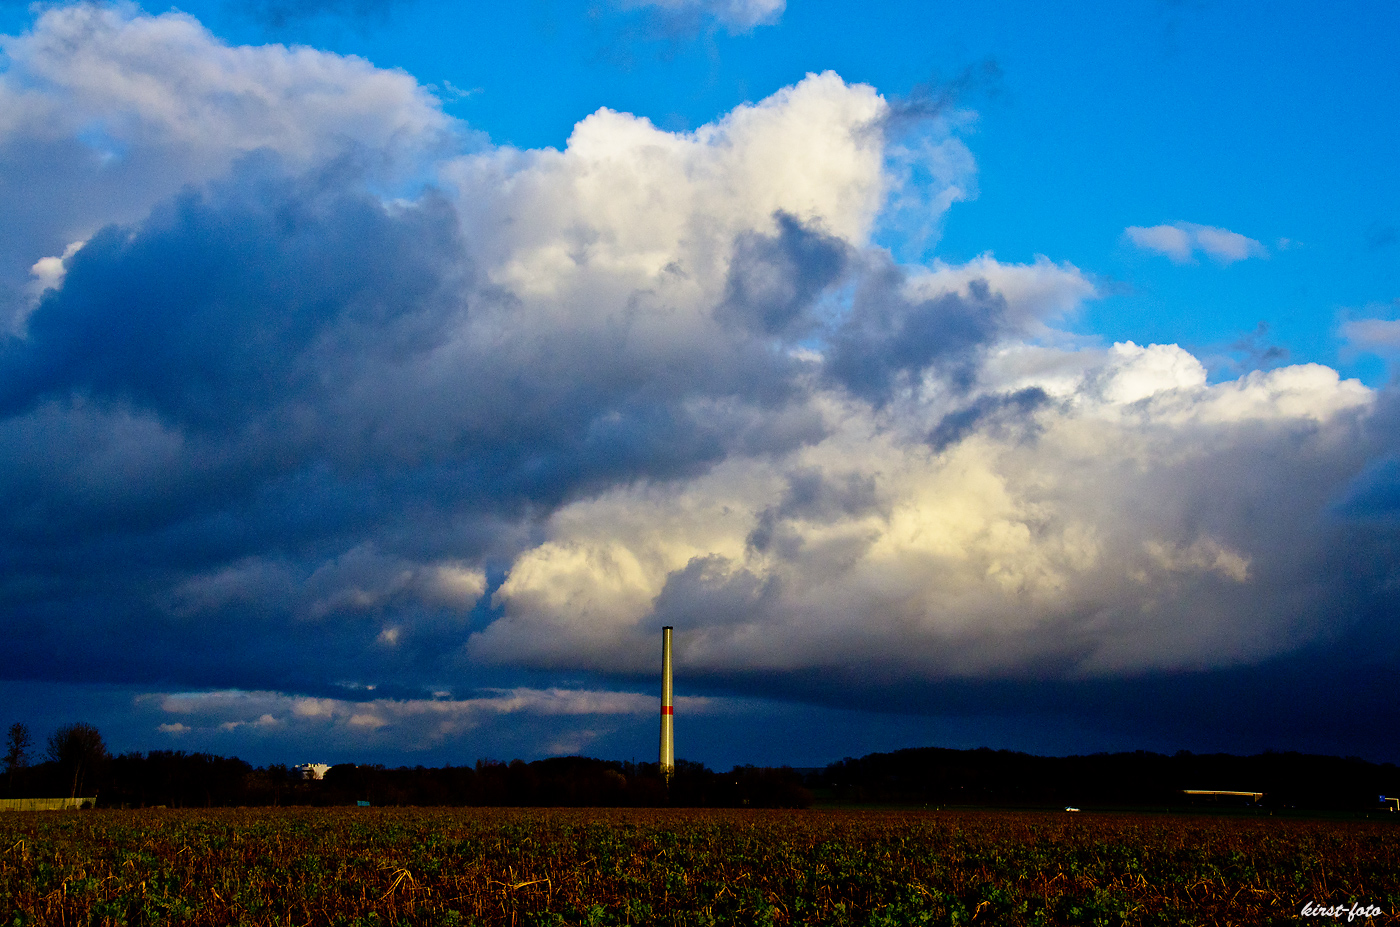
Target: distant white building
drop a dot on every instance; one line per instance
(312, 770)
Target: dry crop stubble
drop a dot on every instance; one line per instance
(349, 866)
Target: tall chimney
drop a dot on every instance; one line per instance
(668, 740)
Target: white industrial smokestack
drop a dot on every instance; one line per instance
(668, 740)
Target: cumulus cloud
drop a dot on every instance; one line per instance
(286, 420)
(1181, 241)
(1101, 537)
(123, 79)
(105, 111)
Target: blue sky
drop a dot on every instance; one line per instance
(377, 378)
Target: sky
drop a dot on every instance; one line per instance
(378, 377)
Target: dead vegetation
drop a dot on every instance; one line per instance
(596, 867)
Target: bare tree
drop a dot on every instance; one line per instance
(17, 752)
(77, 748)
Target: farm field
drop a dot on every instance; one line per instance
(347, 866)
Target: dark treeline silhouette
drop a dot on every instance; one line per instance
(77, 760)
(1001, 777)
(79, 765)
(569, 781)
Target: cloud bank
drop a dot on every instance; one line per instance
(413, 724)
(303, 383)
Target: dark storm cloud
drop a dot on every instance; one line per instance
(214, 312)
(228, 396)
(1331, 700)
(181, 399)
(1327, 694)
(709, 592)
(889, 338)
(281, 431)
(1002, 412)
(815, 497)
(37, 176)
(1372, 499)
(775, 279)
(1376, 494)
(111, 111)
(294, 319)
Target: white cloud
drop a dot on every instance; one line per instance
(49, 272)
(47, 275)
(1035, 293)
(1171, 240)
(124, 78)
(628, 205)
(736, 15)
(105, 110)
(1061, 537)
(1226, 246)
(457, 584)
(1181, 240)
(416, 723)
(1376, 336)
(1135, 373)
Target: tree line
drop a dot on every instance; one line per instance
(931, 775)
(78, 764)
(76, 754)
